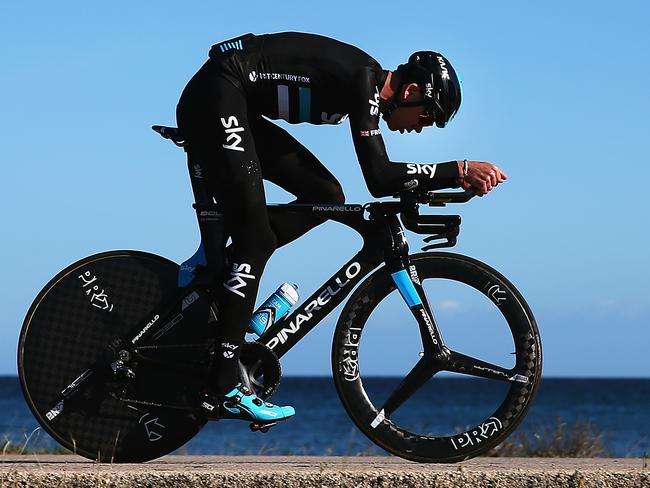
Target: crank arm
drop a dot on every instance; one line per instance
(69, 392)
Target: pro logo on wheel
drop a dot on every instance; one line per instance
(446, 430)
(154, 430)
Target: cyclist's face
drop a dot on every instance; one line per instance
(408, 118)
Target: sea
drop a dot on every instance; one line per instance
(617, 411)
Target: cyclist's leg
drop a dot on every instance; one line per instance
(291, 166)
(212, 114)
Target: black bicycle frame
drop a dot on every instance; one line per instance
(284, 334)
(383, 242)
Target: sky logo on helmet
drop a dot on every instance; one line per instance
(428, 90)
(443, 68)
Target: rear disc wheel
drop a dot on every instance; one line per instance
(65, 335)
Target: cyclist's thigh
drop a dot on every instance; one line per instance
(291, 166)
(212, 115)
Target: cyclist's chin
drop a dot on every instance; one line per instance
(393, 127)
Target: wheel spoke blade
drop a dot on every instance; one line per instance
(418, 376)
(461, 363)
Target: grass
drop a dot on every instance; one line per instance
(8, 446)
(577, 440)
(580, 439)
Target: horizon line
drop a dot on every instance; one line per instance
(468, 377)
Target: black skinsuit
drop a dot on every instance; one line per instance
(223, 114)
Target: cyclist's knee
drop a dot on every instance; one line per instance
(334, 193)
(328, 192)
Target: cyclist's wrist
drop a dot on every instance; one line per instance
(460, 164)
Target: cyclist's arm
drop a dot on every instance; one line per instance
(385, 177)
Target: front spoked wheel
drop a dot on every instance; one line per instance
(430, 409)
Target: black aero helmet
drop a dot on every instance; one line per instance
(438, 81)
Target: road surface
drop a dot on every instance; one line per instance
(303, 471)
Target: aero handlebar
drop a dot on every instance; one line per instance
(440, 199)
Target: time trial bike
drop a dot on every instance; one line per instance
(115, 350)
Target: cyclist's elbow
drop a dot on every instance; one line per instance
(383, 191)
(376, 190)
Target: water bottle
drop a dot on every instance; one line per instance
(274, 308)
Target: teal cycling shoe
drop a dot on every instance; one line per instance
(243, 404)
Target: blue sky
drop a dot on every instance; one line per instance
(556, 94)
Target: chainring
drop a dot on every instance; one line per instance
(261, 368)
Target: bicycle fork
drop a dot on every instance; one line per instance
(435, 353)
(407, 281)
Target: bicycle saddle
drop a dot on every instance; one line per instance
(171, 133)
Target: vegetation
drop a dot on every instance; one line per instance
(7, 447)
(581, 439)
(578, 440)
(27, 446)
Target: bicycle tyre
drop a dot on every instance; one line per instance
(69, 326)
(348, 346)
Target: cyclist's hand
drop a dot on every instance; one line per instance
(481, 176)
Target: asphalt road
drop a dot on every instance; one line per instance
(295, 471)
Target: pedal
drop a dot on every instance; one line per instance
(262, 427)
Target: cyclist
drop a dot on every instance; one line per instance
(224, 113)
